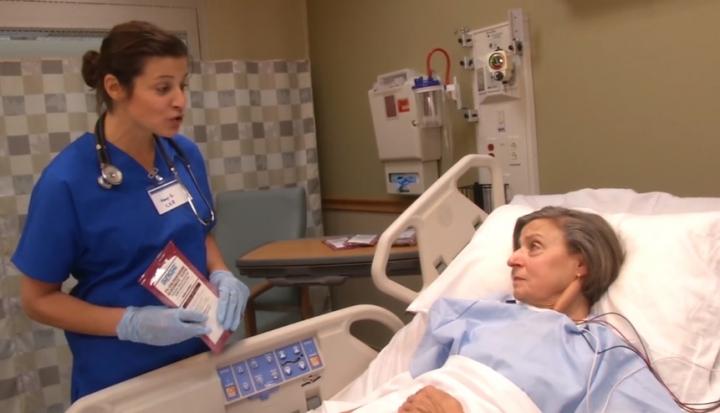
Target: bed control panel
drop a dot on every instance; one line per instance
(257, 376)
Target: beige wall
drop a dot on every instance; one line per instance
(626, 91)
(255, 29)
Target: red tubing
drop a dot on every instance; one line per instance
(447, 63)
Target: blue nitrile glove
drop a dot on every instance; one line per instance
(161, 326)
(233, 297)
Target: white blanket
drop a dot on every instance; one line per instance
(477, 387)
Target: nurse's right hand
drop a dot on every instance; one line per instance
(161, 326)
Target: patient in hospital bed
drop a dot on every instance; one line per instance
(538, 350)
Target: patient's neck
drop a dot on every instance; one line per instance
(572, 302)
(577, 310)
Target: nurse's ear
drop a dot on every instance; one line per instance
(113, 88)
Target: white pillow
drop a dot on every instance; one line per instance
(669, 287)
(620, 200)
(480, 269)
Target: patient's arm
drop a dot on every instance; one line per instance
(430, 399)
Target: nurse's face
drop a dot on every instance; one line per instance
(542, 267)
(157, 101)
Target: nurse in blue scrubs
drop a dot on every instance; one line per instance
(95, 215)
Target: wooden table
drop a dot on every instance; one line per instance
(309, 261)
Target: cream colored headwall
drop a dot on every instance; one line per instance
(626, 91)
(256, 29)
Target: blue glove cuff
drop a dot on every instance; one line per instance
(218, 275)
(233, 295)
(161, 326)
(124, 328)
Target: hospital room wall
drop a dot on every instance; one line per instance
(625, 95)
(254, 29)
(625, 91)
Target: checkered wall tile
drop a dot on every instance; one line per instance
(253, 122)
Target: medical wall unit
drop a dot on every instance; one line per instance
(407, 113)
(414, 133)
(503, 100)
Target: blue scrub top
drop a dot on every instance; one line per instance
(106, 239)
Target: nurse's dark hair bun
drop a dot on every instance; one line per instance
(123, 54)
(90, 68)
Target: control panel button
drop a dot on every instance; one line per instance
(258, 375)
(231, 392)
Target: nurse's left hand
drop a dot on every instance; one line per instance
(233, 297)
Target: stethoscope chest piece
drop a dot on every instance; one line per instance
(109, 176)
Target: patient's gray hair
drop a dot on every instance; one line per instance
(587, 234)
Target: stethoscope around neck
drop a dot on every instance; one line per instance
(111, 176)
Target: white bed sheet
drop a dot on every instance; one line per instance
(695, 357)
(477, 387)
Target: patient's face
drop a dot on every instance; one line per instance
(542, 267)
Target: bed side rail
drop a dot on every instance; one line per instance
(193, 385)
(444, 220)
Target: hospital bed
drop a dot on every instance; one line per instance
(669, 288)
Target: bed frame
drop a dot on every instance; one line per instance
(193, 384)
(444, 220)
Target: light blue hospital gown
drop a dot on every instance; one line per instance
(545, 354)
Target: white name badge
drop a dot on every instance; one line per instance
(168, 196)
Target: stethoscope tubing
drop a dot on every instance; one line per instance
(111, 176)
